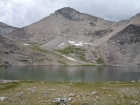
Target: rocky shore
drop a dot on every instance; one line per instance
(13, 92)
(8, 81)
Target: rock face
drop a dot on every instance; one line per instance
(127, 43)
(96, 40)
(5, 29)
(129, 35)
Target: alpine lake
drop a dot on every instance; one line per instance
(71, 73)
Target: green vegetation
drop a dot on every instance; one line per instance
(79, 52)
(63, 63)
(8, 86)
(37, 48)
(72, 49)
(100, 60)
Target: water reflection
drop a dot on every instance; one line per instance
(70, 73)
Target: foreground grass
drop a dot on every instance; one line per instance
(43, 93)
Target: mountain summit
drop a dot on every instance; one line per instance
(70, 13)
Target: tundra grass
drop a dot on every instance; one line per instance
(43, 93)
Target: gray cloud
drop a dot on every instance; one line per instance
(109, 9)
(20, 13)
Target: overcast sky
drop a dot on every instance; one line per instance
(20, 13)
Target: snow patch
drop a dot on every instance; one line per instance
(61, 44)
(25, 44)
(71, 42)
(88, 44)
(69, 58)
(79, 43)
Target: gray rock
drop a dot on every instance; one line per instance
(71, 95)
(94, 93)
(19, 94)
(133, 81)
(8, 81)
(32, 89)
(3, 98)
(57, 101)
(62, 101)
(65, 100)
(138, 92)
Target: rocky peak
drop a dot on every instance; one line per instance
(70, 13)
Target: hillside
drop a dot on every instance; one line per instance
(14, 53)
(80, 37)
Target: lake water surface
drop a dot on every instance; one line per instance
(71, 73)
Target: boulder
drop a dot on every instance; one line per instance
(94, 93)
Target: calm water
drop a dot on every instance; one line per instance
(70, 73)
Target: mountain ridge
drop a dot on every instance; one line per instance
(5, 29)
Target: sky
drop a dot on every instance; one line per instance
(20, 13)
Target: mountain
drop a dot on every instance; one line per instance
(84, 39)
(61, 23)
(5, 29)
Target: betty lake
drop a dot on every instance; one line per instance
(71, 73)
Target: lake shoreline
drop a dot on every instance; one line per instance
(11, 81)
